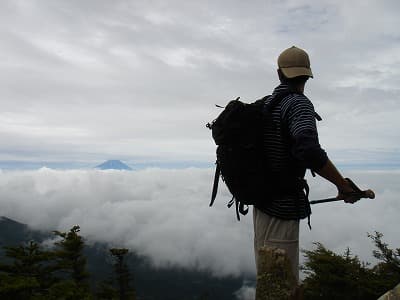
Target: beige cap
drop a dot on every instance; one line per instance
(294, 62)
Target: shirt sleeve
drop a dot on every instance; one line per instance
(303, 132)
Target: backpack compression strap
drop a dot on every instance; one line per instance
(240, 207)
(215, 185)
(276, 99)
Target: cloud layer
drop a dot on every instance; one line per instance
(164, 214)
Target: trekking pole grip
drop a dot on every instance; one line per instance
(369, 194)
(363, 194)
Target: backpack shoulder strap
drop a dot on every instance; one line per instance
(276, 99)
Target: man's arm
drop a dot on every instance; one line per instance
(307, 150)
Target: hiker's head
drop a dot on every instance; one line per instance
(294, 67)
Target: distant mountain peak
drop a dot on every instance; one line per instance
(113, 164)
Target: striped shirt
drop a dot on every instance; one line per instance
(291, 146)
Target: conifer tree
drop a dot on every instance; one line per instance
(71, 265)
(331, 276)
(388, 268)
(122, 273)
(29, 274)
(106, 291)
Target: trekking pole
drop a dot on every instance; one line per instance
(364, 194)
(357, 194)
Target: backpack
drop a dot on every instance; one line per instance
(238, 134)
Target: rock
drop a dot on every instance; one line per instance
(393, 294)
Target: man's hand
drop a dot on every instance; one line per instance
(348, 191)
(329, 172)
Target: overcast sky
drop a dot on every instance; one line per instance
(85, 81)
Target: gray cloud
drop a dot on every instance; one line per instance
(160, 214)
(126, 78)
(164, 214)
(246, 293)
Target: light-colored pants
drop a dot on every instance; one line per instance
(274, 232)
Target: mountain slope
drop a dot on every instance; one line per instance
(150, 283)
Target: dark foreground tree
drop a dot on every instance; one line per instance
(388, 268)
(106, 290)
(33, 273)
(71, 266)
(331, 276)
(29, 273)
(122, 274)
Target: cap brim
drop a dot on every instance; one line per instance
(296, 71)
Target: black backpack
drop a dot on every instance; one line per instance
(238, 134)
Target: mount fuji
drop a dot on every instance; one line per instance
(113, 165)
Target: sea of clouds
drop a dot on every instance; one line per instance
(164, 214)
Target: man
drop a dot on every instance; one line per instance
(292, 146)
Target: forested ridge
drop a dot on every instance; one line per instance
(19, 243)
